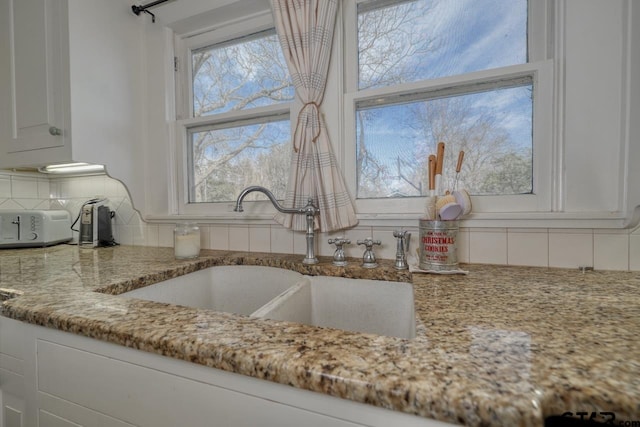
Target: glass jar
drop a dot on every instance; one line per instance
(186, 240)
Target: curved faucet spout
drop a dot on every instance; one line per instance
(271, 197)
(310, 210)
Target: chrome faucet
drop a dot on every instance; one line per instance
(339, 257)
(310, 210)
(369, 258)
(402, 240)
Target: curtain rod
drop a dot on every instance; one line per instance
(137, 9)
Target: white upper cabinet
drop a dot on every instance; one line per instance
(38, 107)
(70, 85)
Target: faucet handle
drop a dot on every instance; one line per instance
(339, 242)
(369, 258)
(339, 258)
(369, 242)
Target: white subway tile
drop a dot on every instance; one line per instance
(78, 188)
(528, 247)
(205, 236)
(323, 248)
(138, 234)
(95, 185)
(488, 246)
(24, 187)
(219, 237)
(300, 243)
(570, 248)
(281, 240)
(611, 251)
(238, 238)
(5, 187)
(124, 235)
(151, 235)
(463, 245)
(44, 188)
(259, 238)
(165, 235)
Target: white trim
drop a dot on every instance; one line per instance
(530, 220)
(170, 99)
(558, 184)
(625, 116)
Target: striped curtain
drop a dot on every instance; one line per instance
(305, 30)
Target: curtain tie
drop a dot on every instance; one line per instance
(295, 132)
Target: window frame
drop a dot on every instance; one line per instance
(339, 112)
(184, 45)
(538, 67)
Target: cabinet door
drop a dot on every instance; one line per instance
(12, 402)
(38, 54)
(12, 411)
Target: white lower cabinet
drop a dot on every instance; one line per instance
(76, 381)
(148, 397)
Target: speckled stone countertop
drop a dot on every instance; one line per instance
(500, 346)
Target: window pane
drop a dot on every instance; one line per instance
(244, 73)
(494, 128)
(407, 41)
(224, 161)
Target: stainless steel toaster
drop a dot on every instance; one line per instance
(34, 228)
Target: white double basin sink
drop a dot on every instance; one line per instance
(360, 305)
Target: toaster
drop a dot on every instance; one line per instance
(34, 228)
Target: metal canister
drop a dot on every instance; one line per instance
(438, 245)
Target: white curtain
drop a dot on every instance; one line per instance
(305, 30)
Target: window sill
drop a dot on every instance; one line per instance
(565, 220)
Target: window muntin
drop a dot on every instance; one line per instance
(469, 48)
(406, 41)
(239, 74)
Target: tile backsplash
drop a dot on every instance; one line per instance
(602, 249)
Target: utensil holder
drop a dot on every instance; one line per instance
(438, 249)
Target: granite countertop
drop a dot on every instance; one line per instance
(499, 346)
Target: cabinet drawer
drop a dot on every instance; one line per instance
(54, 412)
(148, 397)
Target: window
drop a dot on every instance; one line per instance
(404, 75)
(468, 73)
(236, 128)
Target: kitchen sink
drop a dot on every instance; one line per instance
(240, 289)
(360, 305)
(370, 306)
